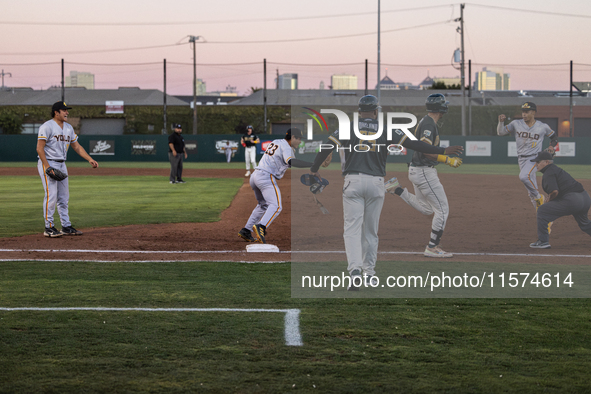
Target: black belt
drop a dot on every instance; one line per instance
(358, 173)
(57, 161)
(412, 165)
(522, 156)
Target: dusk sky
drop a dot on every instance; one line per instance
(97, 37)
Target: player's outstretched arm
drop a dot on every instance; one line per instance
(322, 155)
(423, 147)
(299, 163)
(82, 152)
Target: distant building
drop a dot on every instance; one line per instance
(387, 84)
(492, 79)
(231, 91)
(201, 87)
(321, 86)
(80, 80)
(344, 82)
(287, 82)
(426, 83)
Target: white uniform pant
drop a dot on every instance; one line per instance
(268, 197)
(527, 175)
(429, 198)
(250, 155)
(363, 198)
(228, 155)
(56, 193)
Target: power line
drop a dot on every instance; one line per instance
(91, 51)
(329, 37)
(217, 22)
(531, 11)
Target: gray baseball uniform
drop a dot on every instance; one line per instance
(429, 197)
(57, 142)
(529, 143)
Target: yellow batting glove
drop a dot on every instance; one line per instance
(454, 162)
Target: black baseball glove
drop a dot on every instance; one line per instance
(55, 174)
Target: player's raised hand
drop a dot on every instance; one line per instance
(454, 162)
(454, 150)
(502, 118)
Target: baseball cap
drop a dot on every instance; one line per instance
(177, 126)
(528, 106)
(543, 155)
(59, 105)
(293, 132)
(249, 127)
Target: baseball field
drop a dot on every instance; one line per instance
(159, 294)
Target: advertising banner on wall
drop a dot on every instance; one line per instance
(102, 147)
(143, 147)
(478, 148)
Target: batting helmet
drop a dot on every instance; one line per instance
(368, 103)
(437, 103)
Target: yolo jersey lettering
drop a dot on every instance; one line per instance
(57, 140)
(276, 157)
(529, 139)
(427, 132)
(366, 156)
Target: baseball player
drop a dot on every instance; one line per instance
(249, 142)
(55, 137)
(429, 197)
(566, 197)
(228, 150)
(364, 189)
(278, 157)
(529, 136)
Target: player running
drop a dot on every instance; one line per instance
(364, 189)
(429, 197)
(278, 157)
(529, 136)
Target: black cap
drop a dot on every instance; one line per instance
(293, 132)
(59, 105)
(527, 106)
(543, 155)
(177, 126)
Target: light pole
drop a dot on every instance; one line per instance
(193, 40)
(3, 74)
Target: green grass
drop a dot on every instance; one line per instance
(350, 346)
(107, 201)
(136, 164)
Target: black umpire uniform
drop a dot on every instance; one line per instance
(176, 151)
(567, 197)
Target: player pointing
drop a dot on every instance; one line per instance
(529, 136)
(278, 157)
(55, 137)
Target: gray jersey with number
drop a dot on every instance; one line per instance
(529, 139)
(57, 140)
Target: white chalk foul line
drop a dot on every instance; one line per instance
(293, 337)
(285, 251)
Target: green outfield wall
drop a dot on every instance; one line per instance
(210, 148)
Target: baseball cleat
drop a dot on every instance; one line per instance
(52, 232)
(70, 231)
(246, 235)
(172, 182)
(436, 252)
(356, 281)
(247, 173)
(181, 181)
(391, 185)
(259, 233)
(540, 245)
(371, 281)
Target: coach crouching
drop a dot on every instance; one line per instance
(566, 197)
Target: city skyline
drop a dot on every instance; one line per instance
(238, 36)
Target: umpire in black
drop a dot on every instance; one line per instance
(565, 197)
(176, 151)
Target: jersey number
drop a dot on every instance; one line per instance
(271, 149)
(370, 144)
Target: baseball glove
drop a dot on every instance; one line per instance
(316, 184)
(551, 150)
(55, 174)
(327, 161)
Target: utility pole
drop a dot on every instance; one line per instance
(3, 74)
(265, 95)
(63, 90)
(570, 119)
(164, 130)
(378, 51)
(277, 80)
(193, 40)
(366, 77)
(462, 65)
(469, 96)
